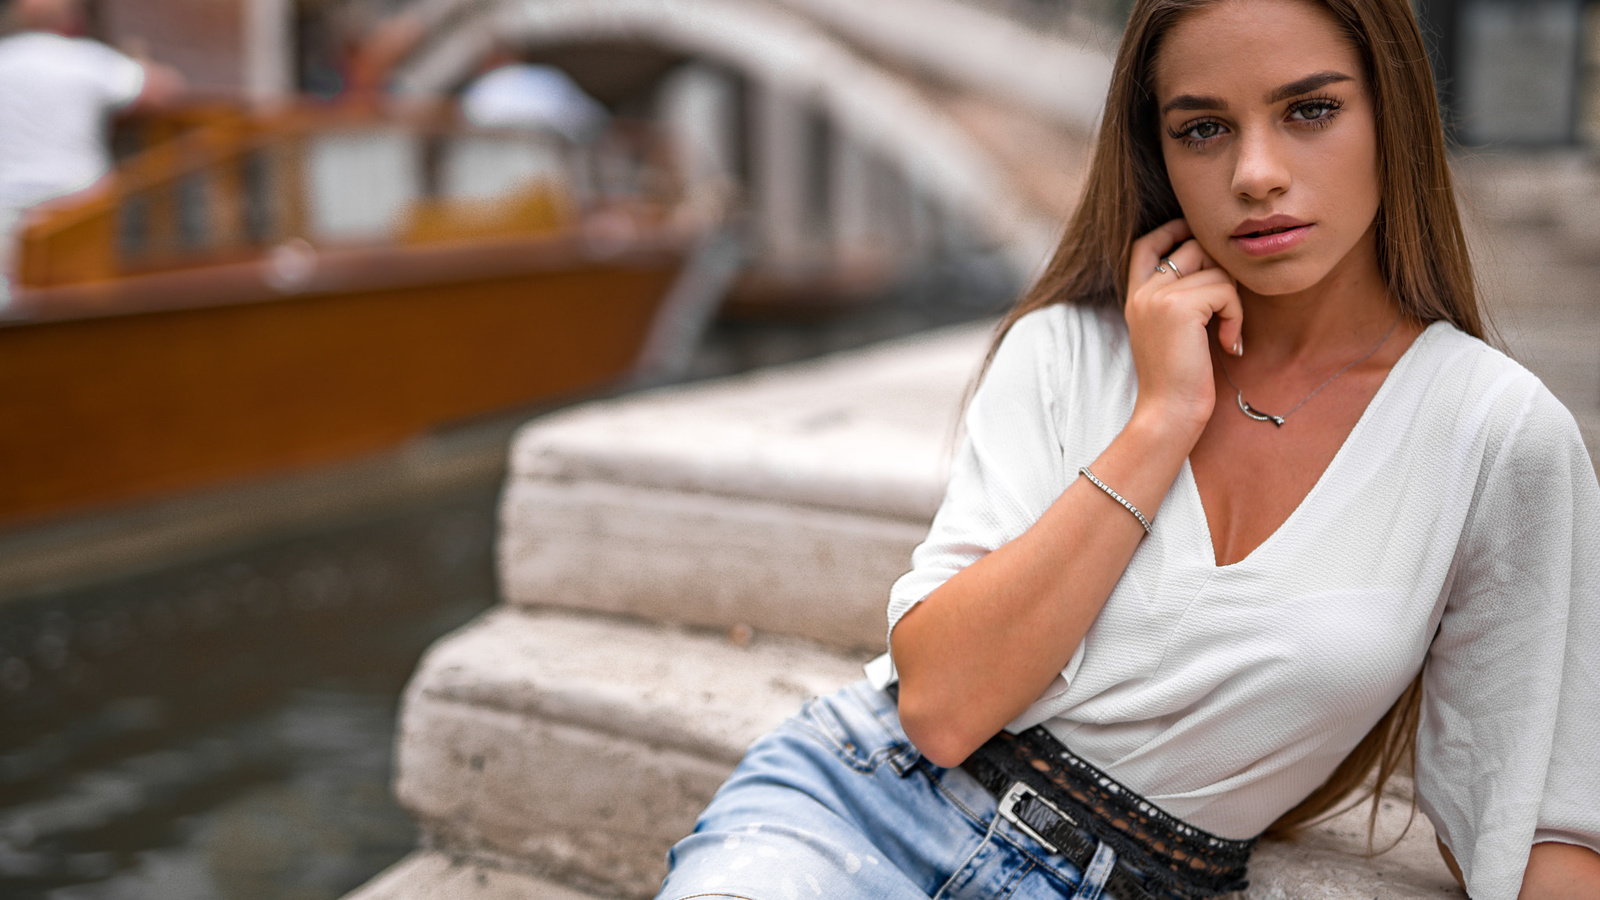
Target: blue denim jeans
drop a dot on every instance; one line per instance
(837, 804)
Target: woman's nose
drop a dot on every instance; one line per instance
(1260, 170)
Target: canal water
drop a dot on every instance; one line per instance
(223, 730)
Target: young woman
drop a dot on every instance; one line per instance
(1245, 508)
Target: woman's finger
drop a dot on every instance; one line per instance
(1147, 251)
(1216, 294)
(1230, 321)
(1189, 258)
(1192, 279)
(1210, 294)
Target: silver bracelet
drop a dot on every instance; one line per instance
(1084, 471)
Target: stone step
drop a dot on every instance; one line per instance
(440, 876)
(1332, 861)
(787, 500)
(582, 746)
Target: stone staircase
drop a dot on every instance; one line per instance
(680, 570)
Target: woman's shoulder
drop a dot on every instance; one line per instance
(1483, 395)
(1070, 334)
(1074, 318)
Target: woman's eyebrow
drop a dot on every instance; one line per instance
(1306, 85)
(1193, 102)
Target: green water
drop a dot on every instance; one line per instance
(225, 730)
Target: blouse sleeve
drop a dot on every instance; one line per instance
(1009, 468)
(1509, 746)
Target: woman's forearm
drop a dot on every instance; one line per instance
(977, 651)
(982, 647)
(1559, 871)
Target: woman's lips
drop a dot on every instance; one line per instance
(1268, 244)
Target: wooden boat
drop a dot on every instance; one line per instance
(195, 323)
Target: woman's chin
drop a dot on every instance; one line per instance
(1277, 282)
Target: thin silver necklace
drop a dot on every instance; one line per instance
(1259, 416)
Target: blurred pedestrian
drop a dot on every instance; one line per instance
(515, 94)
(57, 90)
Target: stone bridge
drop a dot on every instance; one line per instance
(849, 132)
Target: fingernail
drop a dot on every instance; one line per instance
(1238, 347)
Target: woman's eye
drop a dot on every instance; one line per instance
(1199, 132)
(1314, 111)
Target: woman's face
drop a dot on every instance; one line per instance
(1270, 141)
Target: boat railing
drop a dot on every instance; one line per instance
(280, 187)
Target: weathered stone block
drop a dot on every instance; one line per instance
(705, 560)
(585, 747)
(431, 875)
(1331, 861)
(787, 500)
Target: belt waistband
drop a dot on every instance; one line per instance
(1069, 804)
(1024, 806)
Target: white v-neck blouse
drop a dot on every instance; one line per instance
(1459, 522)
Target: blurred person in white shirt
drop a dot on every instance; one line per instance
(57, 91)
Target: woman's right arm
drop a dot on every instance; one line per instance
(1508, 745)
(983, 646)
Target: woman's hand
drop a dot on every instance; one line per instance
(1168, 314)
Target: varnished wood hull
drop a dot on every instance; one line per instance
(205, 377)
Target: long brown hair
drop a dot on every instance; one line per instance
(1422, 251)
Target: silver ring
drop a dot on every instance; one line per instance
(1166, 262)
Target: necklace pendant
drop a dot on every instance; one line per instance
(1259, 416)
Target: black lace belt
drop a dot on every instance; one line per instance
(1069, 804)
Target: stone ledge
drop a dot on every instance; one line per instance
(428, 875)
(703, 560)
(666, 687)
(1330, 861)
(870, 431)
(787, 500)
